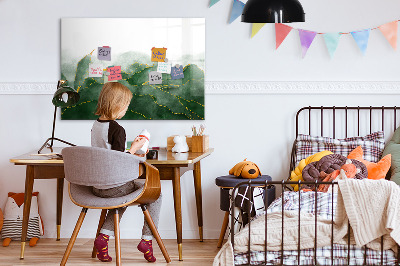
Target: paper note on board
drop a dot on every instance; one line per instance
(115, 73)
(177, 72)
(155, 78)
(95, 71)
(158, 54)
(104, 53)
(164, 67)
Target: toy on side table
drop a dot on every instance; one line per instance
(245, 169)
(13, 215)
(180, 144)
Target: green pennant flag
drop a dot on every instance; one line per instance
(332, 41)
(213, 2)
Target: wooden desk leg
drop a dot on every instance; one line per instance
(27, 206)
(199, 204)
(60, 190)
(176, 183)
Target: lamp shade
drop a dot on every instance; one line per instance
(273, 11)
(65, 96)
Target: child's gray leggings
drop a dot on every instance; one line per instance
(154, 208)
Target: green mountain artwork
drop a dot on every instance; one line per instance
(181, 99)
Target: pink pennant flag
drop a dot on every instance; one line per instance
(306, 39)
(389, 30)
(281, 31)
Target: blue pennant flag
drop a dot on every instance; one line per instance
(237, 9)
(361, 38)
(332, 41)
(213, 2)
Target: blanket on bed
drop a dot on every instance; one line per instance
(373, 209)
(371, 206)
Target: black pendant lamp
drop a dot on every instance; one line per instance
(273, 11)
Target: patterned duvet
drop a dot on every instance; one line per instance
(306, 202)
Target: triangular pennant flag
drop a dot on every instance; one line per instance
(256, 28)
(237, 9)
(281, 31)
(361, 37)
(390, 32)
(332, 41)
(213, 2)
(306, 39)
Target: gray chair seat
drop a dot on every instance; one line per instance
(83, 196)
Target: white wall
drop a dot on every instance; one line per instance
(258, 126)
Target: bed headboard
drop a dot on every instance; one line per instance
(344, 121)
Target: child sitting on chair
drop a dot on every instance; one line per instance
(106, 133)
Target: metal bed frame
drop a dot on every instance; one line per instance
(283, 184)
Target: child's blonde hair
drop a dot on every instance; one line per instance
(113, 98)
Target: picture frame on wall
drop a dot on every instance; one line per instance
(161, 60)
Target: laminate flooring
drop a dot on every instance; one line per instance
(50, 252)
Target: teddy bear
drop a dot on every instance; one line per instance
(245, 169)
(13, 215)
(180, 144)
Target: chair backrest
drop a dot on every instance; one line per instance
(92, 166)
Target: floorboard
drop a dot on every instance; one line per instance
(50, 252)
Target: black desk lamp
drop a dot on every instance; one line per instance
(273, 11)
(64, 97)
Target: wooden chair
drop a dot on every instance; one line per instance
(85, 167)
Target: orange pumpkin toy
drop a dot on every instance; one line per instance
(245, 169)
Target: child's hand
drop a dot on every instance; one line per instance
(137, 144)
(142, 155)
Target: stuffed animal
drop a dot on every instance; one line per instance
(180, 144)
(13, 215)
(245, 169)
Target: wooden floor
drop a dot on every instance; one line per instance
(50, 252)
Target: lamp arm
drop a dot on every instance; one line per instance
(46, 143)
(54, 126)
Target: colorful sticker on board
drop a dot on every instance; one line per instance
(104, 53)
(158, 54)
(155, 78)
(95, 71)
(164, 67)
(115, 73)
(177, 72)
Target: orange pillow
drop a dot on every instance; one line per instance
(375, 170)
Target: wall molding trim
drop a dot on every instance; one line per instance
(250, 87)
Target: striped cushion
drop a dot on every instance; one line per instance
(13, 228)
(372, 145)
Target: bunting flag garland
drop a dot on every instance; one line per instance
(361, 37)
(389, 30)
(281, 31)
(213, 2)
(306, 39)
(332, 41)
(237, 9)
(256, 28)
